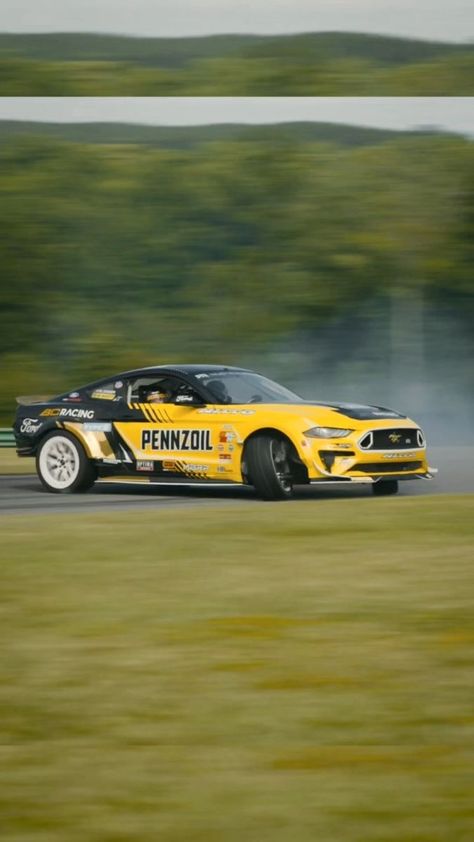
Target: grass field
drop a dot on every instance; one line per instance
(266, 672)
(10, 463)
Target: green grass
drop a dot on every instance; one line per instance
(10, 463)
(281, 672)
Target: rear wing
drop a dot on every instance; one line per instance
(26, 400)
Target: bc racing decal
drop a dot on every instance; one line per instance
(176, 440)
(54, 412)
(51, 412)
(77, 413)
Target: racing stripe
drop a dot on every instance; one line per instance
(146, 411)
(155, 413)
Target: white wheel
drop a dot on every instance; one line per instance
(63, 465)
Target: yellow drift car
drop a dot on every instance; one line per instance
(214, 424)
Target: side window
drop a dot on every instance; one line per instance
(111, 391)
(151, 390)
(159, 390)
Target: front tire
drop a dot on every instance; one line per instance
(63, 466)
(268, 467)
(383, 488)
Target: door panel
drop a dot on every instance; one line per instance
(183, 440)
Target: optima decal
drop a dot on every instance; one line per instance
(176, 440)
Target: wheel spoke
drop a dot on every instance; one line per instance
(59, 462)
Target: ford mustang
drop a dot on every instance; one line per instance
(213, 424)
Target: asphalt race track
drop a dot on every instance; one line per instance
(20, 494)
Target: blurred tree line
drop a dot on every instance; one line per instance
(452, 76)
(114, 256)
(311, 64)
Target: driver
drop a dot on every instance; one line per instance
(219, 390)
(157, 395)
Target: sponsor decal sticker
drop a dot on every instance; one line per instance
(144, 466)
(225, 456)
(169, 466)
(98, 426)
(225, 436)
(51, 412)
(201, 469)
(104, 394)
(212, 411)
(118, 384)
(76, 413)
(181, 440)
(184, 399)
(397, 455)
(30, 425)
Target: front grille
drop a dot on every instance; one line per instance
(387, 468)
(393, 439)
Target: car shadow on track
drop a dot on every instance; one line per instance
(242, 493)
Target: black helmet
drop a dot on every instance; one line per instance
(218, 390)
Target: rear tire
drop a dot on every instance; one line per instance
(63, 465)
(383, 488)
(268, 467)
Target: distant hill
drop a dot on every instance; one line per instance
(185, 137)
(179, 52)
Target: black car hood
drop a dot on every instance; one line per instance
(359, 411)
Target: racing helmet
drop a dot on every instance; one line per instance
(155, 395)
(219, 390)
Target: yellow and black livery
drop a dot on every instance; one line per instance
(214, 424)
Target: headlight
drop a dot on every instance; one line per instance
(326, 433)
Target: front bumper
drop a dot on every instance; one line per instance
(370, 480)
(345, 461)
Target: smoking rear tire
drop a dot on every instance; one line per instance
(63, 466)
(383, 488)
(268, 467)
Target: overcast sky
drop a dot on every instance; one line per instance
(453, 113)
(437, 19)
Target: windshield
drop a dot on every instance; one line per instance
(245, 387)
